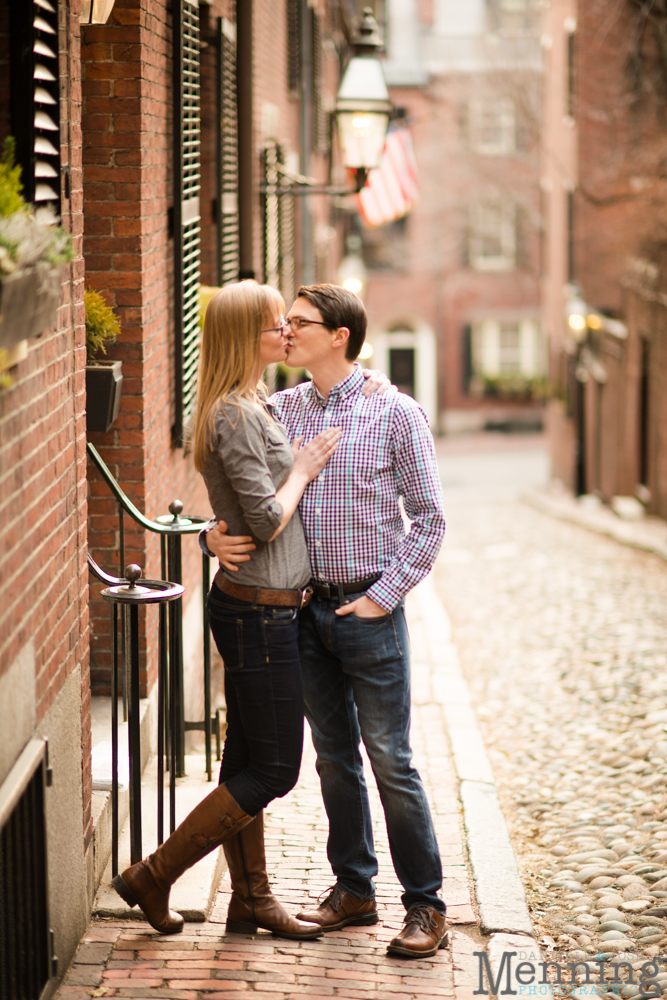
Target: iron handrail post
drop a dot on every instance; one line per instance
(114, 741)
(176, 661)
(206, 583)
(134, 738)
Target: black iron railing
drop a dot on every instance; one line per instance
(126, 593)
(171, 527)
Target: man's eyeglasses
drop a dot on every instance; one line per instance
(298, 322)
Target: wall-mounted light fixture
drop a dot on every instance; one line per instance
(362, 115)
(363, 105)
(96, 11)
(581, 318)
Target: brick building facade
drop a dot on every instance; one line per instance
(605, 224)
(152, 187)
(44, 676)
(453, 289)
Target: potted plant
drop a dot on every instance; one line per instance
(104, 379)
(33, 249)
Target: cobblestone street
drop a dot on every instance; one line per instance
(562, 637)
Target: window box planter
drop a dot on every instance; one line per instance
(29, 302)
(104, 382)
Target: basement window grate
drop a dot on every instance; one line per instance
(26, 960)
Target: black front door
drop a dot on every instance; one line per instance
(402, 369)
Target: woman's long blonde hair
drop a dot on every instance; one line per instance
(230, 353)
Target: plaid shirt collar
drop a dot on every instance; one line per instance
(350, 385)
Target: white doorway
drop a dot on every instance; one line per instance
(407, 354)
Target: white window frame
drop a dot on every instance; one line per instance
(480, 109)
(486, 351)
(506, 235)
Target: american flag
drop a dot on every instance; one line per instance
(392, 189)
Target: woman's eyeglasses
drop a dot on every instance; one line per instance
(282, 323)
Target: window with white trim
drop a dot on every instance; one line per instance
(508, 349)
(492, 236)
(492, 126)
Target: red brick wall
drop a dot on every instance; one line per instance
(129, 258)
(619, 150)
(43, 462)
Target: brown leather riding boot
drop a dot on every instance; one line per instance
(146, 884)
(253, 904)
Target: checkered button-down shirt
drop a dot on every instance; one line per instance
(351, 512)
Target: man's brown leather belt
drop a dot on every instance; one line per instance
(333, 590)
(260, 595)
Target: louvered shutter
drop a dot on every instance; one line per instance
(293, 47)
(35, 99)
(277, 226)
(321, 117)
(286, 241)
(186, 209)
(228, 153)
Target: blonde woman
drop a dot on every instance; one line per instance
(255, 481)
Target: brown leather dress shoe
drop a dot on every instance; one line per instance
(424, 931)
(340, 909)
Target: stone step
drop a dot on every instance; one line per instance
(193, 894)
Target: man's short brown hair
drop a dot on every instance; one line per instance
(338, 307)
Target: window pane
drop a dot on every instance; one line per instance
(492, 236)
(492, 126)
(510, 349)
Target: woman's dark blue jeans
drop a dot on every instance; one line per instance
(264, 695)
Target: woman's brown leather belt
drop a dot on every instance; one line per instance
(260, 595)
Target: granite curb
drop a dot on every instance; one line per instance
(499, 891)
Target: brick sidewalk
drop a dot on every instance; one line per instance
(130, 960)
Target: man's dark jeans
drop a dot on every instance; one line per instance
(356, 674)
(264, 696)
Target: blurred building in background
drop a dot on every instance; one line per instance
(453, 288)
(605, 199)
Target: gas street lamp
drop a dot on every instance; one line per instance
(362, 115)
(363, 105)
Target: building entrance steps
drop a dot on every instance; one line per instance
(193, 894)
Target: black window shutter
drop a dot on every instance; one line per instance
(228, 152)
(35, 99)
(186, 209)
(321, 126)
(277, 226)
(293, 47)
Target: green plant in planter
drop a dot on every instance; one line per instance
(11, 197)
(27, 238)
(102, 325)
